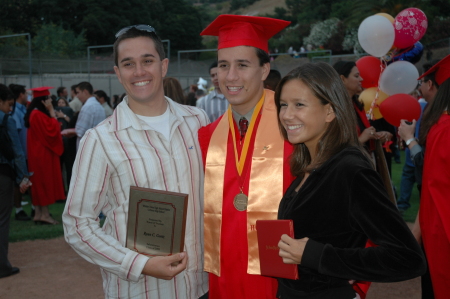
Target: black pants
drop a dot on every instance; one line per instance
(6, 205)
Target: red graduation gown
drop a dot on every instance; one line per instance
(234, 281)
(45, 146)
(435, 206)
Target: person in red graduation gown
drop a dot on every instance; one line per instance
(434, 213)
(246, 160)
(45, 146)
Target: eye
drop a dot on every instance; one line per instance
(148, 61)
(223, 65)
(242, 65)
(282, 104)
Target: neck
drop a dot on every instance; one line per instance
(153, 108)
(245, 108)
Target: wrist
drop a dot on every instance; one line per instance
(408, 142)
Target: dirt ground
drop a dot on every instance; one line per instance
(51, 269)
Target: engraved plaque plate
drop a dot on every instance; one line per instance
(156, 221)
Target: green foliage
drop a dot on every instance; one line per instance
(53, 41)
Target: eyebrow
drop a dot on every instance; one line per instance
(131, 58)
(237, 60)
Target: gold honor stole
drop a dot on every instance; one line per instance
(265, 186)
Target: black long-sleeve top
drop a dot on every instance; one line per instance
(340, 206)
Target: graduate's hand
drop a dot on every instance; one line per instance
(291, 250)
(165, 267)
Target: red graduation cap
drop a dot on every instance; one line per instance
(442, 69)
(41, 91)
(234, 30)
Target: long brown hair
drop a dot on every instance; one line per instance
(432, 114)
(173, 90)
(328, 87)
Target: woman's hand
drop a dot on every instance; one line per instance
(60, 114)
(291, 250)
(384, 136)
(49, 106)
(367, 134)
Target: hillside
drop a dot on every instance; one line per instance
(262, 7)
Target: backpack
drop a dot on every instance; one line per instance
(6, 148)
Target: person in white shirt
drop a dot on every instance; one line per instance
(150, 141)
(91, 113)
(215, 104)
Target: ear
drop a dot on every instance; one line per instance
(266, 71)
(343, 78)
(164, 66)
(117, 71)
(330, 113)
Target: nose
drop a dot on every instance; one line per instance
(286, 113)
(139, 70)
(232, 74)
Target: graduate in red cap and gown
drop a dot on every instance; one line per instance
(245, 157)
(434, 213)
(45, 146)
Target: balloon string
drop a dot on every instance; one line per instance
(402, 52)
(374, 104)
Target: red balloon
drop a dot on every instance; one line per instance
(370, 69)
(400, 106)
(410, 25)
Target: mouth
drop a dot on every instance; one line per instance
(234, 89)
(293, 127)
(141, 83)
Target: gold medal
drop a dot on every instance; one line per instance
(240, 202)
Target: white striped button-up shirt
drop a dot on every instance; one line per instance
(214, 104)
(124, 151)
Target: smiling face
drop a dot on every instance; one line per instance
(140, 70)
(353, 82)
(302, 114)
(241, 77)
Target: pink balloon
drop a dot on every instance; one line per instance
(400, 106)
(410, 26)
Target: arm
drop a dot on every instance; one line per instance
(397, 255)
(20, 165)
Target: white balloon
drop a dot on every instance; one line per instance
(376, 35)
(399, 77)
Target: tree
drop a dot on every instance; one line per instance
(54, 41)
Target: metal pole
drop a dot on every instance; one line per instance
(168, 46)
(89, 57)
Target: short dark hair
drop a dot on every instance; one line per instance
(17, 90)
(85, 86)
(213, 65)
(5, 93)
(328, 87)
(60, 90)
(263, 56)
(134, 33)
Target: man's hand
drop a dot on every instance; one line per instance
(69, 133)
(406, 131)
(165, 267)
(291, 250)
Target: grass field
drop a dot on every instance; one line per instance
(27, 230)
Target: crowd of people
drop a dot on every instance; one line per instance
(258, 146)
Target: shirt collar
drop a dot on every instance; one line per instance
(123, 117)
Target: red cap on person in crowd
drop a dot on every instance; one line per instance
(442, 69)
(234, 31)
(41, 91)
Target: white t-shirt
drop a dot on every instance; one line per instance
(159, 123)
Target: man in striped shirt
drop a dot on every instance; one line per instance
(215, 104)
(150, 141)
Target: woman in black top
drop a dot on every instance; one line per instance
(338, 201)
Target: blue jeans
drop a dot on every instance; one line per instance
(406, 185)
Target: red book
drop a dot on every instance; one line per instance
(269, 234)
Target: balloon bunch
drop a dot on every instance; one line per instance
(390, 78)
